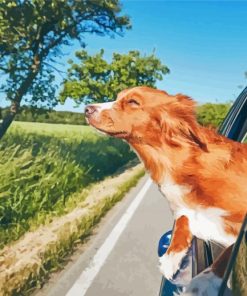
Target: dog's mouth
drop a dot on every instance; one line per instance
(116, 134)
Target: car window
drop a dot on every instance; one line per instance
(234, 125)
(243, 133)
(239, 128)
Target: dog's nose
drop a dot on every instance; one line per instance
(89, 110)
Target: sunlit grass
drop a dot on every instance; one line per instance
(58, 130)
(42, 165)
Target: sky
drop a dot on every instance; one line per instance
(204, 44)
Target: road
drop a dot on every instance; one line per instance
(120, 259)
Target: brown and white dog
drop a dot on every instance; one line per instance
(202, 174)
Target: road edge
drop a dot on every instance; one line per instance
(25, 274)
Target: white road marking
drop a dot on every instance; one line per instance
(86, 278)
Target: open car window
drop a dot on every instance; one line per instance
(235, 124)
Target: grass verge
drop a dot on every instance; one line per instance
(26, 264)
(239, 275)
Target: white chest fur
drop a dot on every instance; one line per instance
(204, 223)
(207, 224)
(174, 193)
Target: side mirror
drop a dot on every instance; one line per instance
(164, 243)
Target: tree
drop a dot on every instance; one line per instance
(33, 34)
(210, 114)
(93, 79)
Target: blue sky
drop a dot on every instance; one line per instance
(203, 43)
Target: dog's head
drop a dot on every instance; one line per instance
(148, 116)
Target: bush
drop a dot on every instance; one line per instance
(212, 114)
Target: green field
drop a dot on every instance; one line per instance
(42, 165)
(59, 130)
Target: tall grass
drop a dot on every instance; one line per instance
(27, 264)
(39, 169)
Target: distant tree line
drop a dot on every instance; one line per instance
(209, 114)
(35, 114)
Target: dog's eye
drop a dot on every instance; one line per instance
(133, 102)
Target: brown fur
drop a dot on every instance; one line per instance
(181, 235)
(164, 132)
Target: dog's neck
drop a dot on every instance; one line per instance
(160, 161)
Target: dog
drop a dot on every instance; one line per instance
(201, 173)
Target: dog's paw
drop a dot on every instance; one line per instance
(171, 263)
(204, 284)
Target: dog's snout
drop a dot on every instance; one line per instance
(89, 110)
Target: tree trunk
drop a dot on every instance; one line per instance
(9, 117)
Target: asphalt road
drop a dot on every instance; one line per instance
(120, 259)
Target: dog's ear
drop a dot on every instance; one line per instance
(195, 137)
(178, 123)
(165, 124)
(191, 128)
